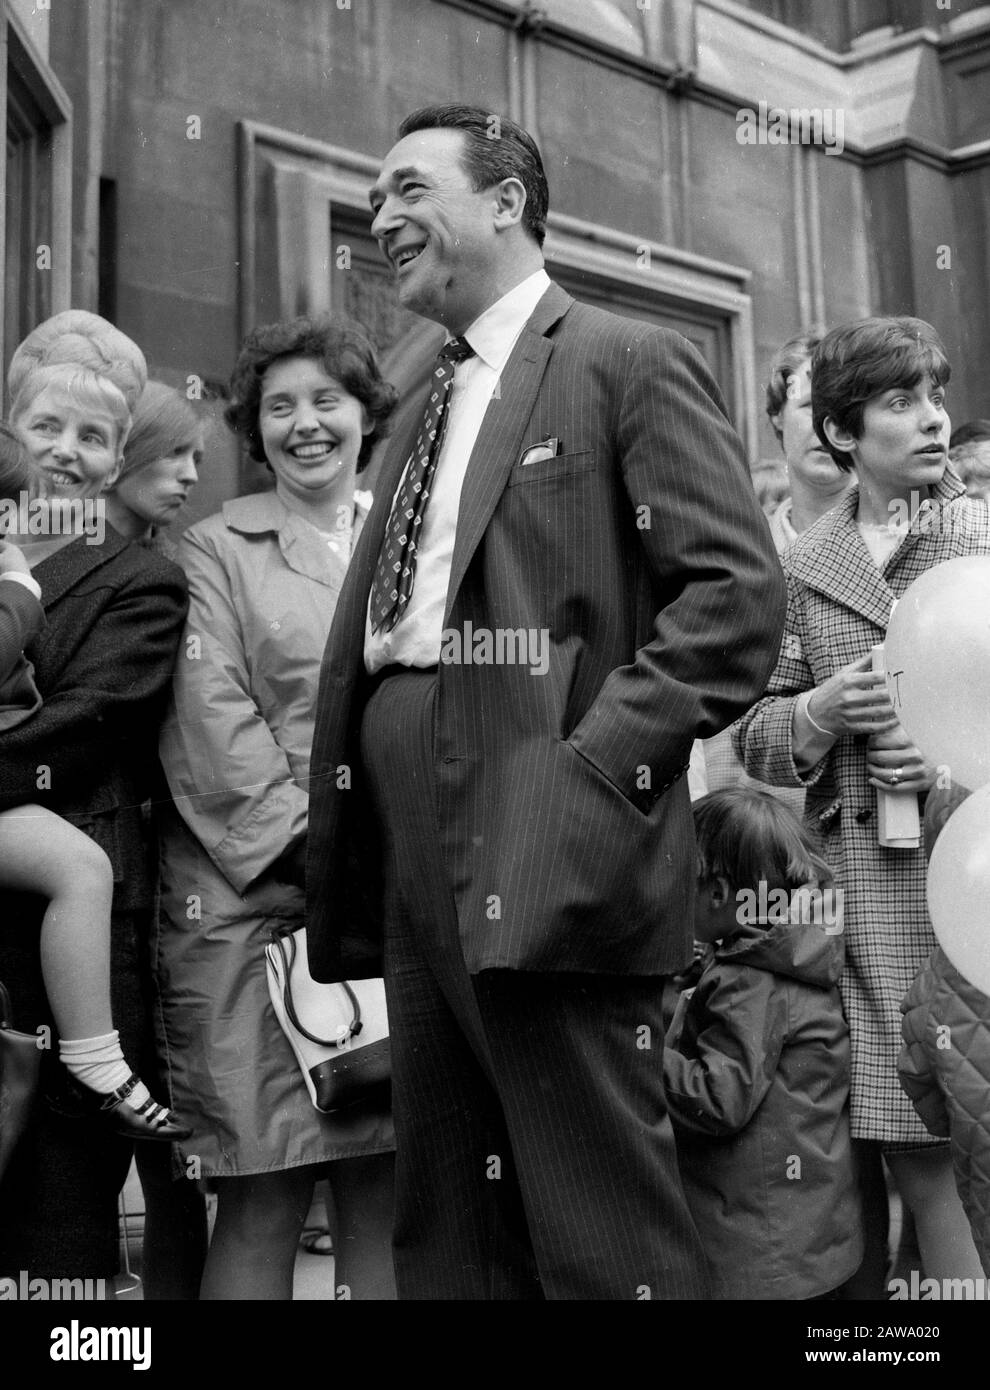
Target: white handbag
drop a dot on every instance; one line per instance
(339, 1032)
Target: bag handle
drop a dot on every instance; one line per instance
(355, 1026)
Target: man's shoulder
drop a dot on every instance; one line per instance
(611, 329)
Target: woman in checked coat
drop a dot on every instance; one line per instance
(826, 723)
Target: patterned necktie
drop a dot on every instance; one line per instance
(396, 570)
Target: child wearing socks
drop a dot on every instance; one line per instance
(42, 853)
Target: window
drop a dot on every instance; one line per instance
(35, 229)
(306, 246)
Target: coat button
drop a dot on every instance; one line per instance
(863, 816)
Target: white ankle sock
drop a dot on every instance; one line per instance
(99, 1064)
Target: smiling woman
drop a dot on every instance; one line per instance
(264, 576)
(73, 425)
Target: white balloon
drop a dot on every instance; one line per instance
(937, 658)
(959, 889)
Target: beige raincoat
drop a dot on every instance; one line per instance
(235, 749)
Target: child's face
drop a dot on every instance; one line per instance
(714, 910)
(74, 446)
(904, 440)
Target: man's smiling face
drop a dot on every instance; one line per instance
(435, 230)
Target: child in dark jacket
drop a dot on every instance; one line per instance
(756, 1063)
(944, 1065)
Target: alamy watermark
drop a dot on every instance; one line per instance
(28, 1288)
(54, 516)
(820, 907)
(775, 125)
(918, 1288)
(500, 646)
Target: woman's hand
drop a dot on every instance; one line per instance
(853, 701)
(894, 764)
(12, 559)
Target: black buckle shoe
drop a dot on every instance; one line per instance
(148, 1121)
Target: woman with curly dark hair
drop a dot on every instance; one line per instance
(264, 576)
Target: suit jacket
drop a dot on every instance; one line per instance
(640, 560)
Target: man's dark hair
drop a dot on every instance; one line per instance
(785, 362)
(495, 148)
(858, 361)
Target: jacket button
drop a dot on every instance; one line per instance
(863, 816)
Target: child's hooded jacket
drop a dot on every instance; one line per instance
(756, 1071)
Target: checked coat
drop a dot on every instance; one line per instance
(839, 604)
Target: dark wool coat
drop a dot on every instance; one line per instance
(103, 664)
(944, 1067)
(839, 606)
(756, 1072)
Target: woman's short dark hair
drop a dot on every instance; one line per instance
(785, 362)
(343, 350)
(16, 472)
(858, 361)
(495, 148)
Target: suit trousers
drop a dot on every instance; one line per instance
(534, 1154)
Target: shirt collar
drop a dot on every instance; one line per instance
(493, 333)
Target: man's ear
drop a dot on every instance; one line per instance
(510, 203)
(839, 438)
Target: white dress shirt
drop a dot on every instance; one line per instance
(415, 639)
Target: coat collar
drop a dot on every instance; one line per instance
(59, 572)
(303, 548)
(831, 556)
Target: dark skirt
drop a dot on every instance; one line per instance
(58, 1199)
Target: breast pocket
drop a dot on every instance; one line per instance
(548, 470)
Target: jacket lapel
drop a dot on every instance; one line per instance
(59, 572)
(502, 430)
(832, 558)
(347, 655)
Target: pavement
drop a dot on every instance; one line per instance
(314, 1274)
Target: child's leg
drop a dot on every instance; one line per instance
(42, 853)
(925, 1181)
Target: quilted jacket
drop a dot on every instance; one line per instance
(944, 1067)
(756, 1074)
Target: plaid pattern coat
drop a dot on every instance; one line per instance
(839, 604)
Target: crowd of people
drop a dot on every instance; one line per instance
(584, 1103)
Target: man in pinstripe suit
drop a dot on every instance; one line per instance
(593, 587)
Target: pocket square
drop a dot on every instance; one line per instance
(536, 453)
